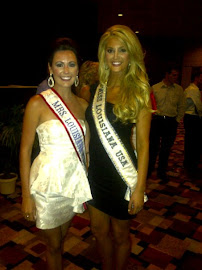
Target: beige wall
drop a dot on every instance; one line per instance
(192, 58)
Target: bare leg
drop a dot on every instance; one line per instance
(121, 234)
(64, 229)
(54, 240)
(100, 226)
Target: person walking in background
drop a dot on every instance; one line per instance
(193, 123)
(55, 186)
(88, 75)
(117, 178)
(43, 86)
(170, 110)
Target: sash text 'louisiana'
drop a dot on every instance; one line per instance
(110, 139)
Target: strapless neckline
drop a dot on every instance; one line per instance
(53, 120)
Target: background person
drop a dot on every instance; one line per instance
(43, 86)
(169, 98)
(193, 123)
(88, 75)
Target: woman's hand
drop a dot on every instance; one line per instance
(136, 202)
(28, 208)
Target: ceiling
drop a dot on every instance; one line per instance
(165, 29)
(153, 18)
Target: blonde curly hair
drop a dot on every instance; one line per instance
(135, 88)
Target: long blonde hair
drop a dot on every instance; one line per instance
(135, 89)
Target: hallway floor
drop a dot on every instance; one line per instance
(166, 234)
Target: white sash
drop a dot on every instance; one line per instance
(112, 143)
(70, 123)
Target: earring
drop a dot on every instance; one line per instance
(76, 82)
(51, 81)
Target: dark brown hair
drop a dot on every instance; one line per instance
(63, 44)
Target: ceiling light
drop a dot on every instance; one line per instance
(120, 14)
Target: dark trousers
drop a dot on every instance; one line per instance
(192, 141)
(162, 136)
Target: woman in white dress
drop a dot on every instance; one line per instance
(55, 186)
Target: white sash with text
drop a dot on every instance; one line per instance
(112, 143)
(70, 123)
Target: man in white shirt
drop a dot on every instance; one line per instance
(169, 97)
(193, 123)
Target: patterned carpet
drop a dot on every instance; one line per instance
(166, 234)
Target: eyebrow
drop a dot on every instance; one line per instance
(61, 61)
(118, 47)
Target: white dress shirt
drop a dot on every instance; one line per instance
(193, 100)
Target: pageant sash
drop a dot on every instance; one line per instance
(70, 123)
(112, 143)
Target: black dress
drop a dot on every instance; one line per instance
(107, 187)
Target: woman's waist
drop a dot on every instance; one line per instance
(59, 148)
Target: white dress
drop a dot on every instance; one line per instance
(58, 181)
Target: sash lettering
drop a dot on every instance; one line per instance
(70, 123)
(58, 107)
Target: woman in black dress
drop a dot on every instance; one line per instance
(119, 110)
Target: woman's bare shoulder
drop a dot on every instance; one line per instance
(35, 105)
(83, 102)
(36, 100)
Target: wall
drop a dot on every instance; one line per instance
(192, 58)
(16, 94)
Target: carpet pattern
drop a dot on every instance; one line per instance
(166, 234)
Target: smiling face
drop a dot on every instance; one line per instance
(116, 56)
(64, 69)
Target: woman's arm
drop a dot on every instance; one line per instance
(30, 122)
(84, 104)
(142, 147)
